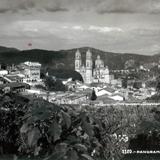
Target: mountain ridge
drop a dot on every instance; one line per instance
(65, 58)
(7, 49)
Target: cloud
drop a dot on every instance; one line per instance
(15, 5)
(57, 9)
(4, 10)
(144, 32)
(129, 6)
(104, 29)
(70, 35)
(93, 28)
(97, 6)
(53, 6)
(78, 28)
(26, 5)
(4, 7)
(70, 23)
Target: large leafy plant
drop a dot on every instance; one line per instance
(60, 132)
(39, 128)
(66, 133)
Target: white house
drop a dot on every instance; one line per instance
(31, 70)
(3, 72)
(117, 97)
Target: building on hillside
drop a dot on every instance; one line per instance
(70, 85)
(31, 70)
(116, 82)
(98, 74)
(117, 97)
(14, 78)
(3, 72)
(106, 100)
(70, 99)
(14, 87)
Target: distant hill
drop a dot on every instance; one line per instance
(6, 49)
(65, 58)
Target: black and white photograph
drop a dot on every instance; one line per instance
(79, 79)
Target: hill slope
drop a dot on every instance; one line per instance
(6, 49)
(65, 58)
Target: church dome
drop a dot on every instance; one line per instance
(89, 54)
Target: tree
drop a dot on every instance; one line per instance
(40, 128)
(65, 74)
(53, 84)
(67, 133)
(116, 126)
(124, 82)
(93, 96)
(58, 131)
(129, 64)
(12, 109)
(147, 135)
(158, 85)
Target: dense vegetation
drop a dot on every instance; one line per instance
(37, 128)
(64, 74)
(53, 84)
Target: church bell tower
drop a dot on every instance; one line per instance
(78, 61)
(89, 65)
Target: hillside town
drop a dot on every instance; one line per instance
(97, 79)
(79, 79)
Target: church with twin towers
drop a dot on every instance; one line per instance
(90, 74)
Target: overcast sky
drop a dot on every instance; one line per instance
(112, 25)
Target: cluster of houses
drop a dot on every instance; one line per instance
(20, 77)
(106, 93)
(24, 77)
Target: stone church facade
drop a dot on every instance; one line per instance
(98, 74)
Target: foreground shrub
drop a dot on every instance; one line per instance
(41, 129)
